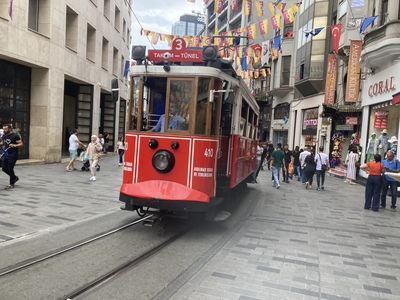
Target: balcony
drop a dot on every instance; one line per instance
(382, 45)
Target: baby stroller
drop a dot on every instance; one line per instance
(85, 161)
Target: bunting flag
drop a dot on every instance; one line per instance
(205, 1)
(260, 8)
(336, 31)
(288, 15)
(247, 7)
(295, 6)
(366, 22)
(251, 31)
(126, 69)
(313, 32)
(218, 6)
(155, 37)
(281, 6)
(10, 8)
(277, 42)
(272, 8)
(234, 4)
(263, 26)
(243, 60)
(276, 21)
(256, 73)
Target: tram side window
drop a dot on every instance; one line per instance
(179, 102)
(243, 120)
(226, 119)
(250, 124)
(201, 105)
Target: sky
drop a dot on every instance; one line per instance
(158, 16)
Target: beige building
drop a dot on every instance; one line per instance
(57, 61)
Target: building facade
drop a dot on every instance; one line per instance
(380, 59)
(58, 58)
(188, 25)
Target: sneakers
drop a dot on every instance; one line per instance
(306, 185)
(393, 209)
(278, 186)
(16, 179)
(93, 178)
(119, 164)
(318, 188)
(322, 187)
(68, 169)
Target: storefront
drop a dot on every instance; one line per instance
(381, 111)
(281, 123)
(310, 127)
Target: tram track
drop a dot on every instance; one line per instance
(48, 255)
(87, 289)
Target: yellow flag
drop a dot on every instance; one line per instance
(272, 8)
(247, 7)
(259, 8)
(295, 7)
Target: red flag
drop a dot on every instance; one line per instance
(276, 21)
(234, 4)
(336, 31)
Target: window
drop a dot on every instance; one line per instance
(104, 55)
(123, 29)
(91, 43)
(285, 70)
(122, 66)
(4, 9)
(71, 29)
(384, 12)
(115, 62)
(302, 69)
(106, 9)
(117, 19)
(39, 16)
(128, 37)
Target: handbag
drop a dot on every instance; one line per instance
(290, 168)
(357, 164)
(324, 167)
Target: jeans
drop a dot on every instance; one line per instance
(298, 170)
(275, 173)
(372, 192)
(393, 190)
(121, 155)
(320, 177)
(8, 168)
(303, 175)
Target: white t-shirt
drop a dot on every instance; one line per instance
(121, 145)
(73, 142)
(303, 156)
(321, 161)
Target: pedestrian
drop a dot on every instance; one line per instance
(101, 141)
(120, 148)
(259, 153)
(106, 142)
(277, 162)
(11, 142)
(73, 149)
(351, 161)
(391, 165)
(287, 161)
(309, 168)
(93, 152)
(322, 163)
(270, 150)
(296, 162)
(302, 158)
(374, 184)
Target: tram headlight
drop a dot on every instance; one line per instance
(163, 161)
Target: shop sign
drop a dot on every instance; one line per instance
(381, 87)
(344, 127)
(330, 84)
(353, 72)
(310, 118)
(381, 119)
(351, 120)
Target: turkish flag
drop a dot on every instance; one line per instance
(336, 31)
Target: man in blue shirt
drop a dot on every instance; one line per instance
(174, 121)
(391, 165)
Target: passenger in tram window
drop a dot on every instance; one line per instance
(174, 120)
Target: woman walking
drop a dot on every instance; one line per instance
(93, 151)
(352, 158)
(120, 148)
(309, 168)
(374, 185)
(321, 159)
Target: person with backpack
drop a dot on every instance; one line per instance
(309, 168)
(322, 163)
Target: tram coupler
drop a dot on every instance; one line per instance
(157, 217)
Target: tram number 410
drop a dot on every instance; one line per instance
(209, 152)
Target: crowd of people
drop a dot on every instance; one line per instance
(305, 163)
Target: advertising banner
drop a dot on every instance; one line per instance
(330, 84)
(381, 119)
(353, 72)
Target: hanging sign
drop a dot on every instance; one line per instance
(178, 53)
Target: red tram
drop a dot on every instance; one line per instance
(192, 131)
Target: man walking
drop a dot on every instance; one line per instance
(302, 158)
(287, 161)
(73, 149)
(321, 159)
(277, 162)
(391, 165)
(11, 142)
(260, 156)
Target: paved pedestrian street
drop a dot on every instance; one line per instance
(296, 244)
(306, 244)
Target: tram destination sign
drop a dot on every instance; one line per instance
(178, 53)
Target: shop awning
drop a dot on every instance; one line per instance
(396, 98)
